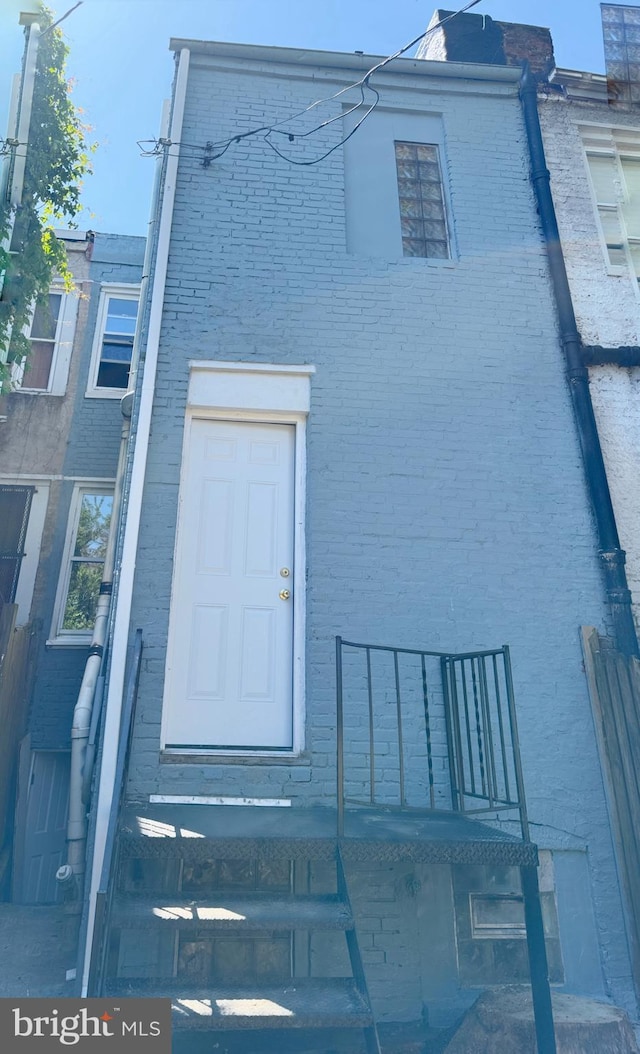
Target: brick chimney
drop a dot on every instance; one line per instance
(478, 38)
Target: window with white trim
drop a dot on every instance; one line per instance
(614, 167)
(50, 335)
(113, 341)
(83, 563)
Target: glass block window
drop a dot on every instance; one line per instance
(422, 209)
(621, 31)
(43, 334)
(117, 342)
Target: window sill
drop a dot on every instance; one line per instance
(210, 757)
(105, 393)
(35, 391)
(68, 642)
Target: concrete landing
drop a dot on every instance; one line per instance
(36, 950)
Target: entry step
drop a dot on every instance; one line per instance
(300, 1003)
(249, 913)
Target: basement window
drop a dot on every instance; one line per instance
(422, 210)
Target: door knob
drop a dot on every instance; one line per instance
(284, 594)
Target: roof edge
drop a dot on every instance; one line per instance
(357, 61)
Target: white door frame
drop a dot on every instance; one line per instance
(261, 393)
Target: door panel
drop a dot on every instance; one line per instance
(229, 657)
(46, 828)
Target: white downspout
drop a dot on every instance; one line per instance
(22, 124)
(113, 708)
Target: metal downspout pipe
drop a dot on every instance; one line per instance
(611, 555)
(71, 874)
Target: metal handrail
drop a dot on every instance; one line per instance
(108, 874)
(479, 718)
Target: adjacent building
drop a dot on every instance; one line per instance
(61, 428)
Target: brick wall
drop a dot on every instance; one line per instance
(88, 437)
(607, 309)
(446, 501)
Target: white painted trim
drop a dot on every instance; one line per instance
(119, 644)
(32, 542)
(59, 636)
(230, 387)
(62, 348)
(124, 291)
(194, 799)
(249, 386)
(24, 120)
(195, 365)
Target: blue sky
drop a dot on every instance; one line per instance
(122, 67)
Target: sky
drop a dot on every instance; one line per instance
(122, 68)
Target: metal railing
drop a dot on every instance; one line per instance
(427, 730)
(110, 860)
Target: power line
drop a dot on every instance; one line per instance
(211, 151)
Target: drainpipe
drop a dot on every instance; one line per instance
(612, 557)
(145, 388)
(71, 874)
(12, 183)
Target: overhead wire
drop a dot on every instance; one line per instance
(207, 153)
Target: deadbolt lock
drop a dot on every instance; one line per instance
(285, 572)
(284, 594)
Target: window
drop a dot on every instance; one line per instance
(614, 168)
(113, 343)
(87, 536)
(621, 32)
(50, 336)
(15, 503)
(422, 208)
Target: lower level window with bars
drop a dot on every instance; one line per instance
(423, 214)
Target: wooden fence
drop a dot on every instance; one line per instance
(17, 660)
(614, 686)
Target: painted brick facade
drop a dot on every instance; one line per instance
(55, 442)
(446, 503)
(607, 305)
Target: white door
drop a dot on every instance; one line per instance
(229, 655)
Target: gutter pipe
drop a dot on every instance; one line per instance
(612, 557)
(12, 181)
(162, 213)
(77, 821)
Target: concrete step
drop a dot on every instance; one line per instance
(249, 913)
(300, 1003)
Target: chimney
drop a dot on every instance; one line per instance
(478, 38)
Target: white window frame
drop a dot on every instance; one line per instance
(121, 291)
(59, 636)
(261, 393)
(62, 348)
(616, 144)
(32, 542)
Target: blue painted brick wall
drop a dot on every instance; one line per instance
(446, 500)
